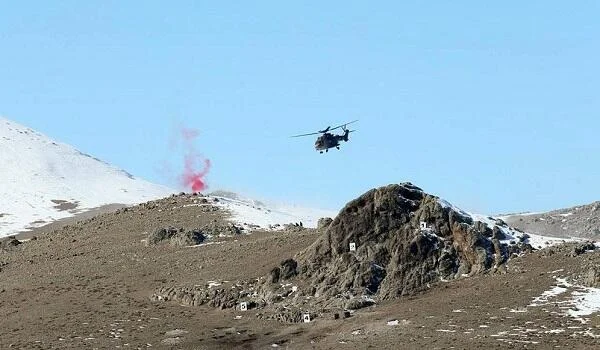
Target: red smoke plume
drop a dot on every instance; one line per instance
(195, 178)
(193, 175)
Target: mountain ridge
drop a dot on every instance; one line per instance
(581, 221)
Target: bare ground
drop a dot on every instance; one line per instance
(579, 221)
(87, 286)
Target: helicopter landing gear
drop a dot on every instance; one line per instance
(338, 147)
(321, 152)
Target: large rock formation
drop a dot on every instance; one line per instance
(394, 254)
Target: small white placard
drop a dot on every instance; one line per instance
(423, 225)
(352, 247)
(306, 318)
(244, 306)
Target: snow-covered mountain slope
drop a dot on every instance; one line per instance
(265, 215)
(42, 180)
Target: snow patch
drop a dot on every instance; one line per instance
(448, 205)
(270, 216)
(547, 295)
(581, 300)
(586, 301)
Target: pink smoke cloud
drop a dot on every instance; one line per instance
(195, 167)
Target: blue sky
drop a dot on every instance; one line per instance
(493, 106)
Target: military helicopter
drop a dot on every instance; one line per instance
(328, 140)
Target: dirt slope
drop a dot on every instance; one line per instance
(580, 221)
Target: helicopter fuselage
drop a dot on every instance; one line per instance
(327, 141)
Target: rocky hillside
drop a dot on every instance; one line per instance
(581, 221)
(390, 242)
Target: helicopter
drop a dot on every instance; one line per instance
(328, 140)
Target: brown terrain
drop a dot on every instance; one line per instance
(117, 281)
(579, 221)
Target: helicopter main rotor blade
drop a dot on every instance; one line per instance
(326, 130)
(343, 125)
(312, 133)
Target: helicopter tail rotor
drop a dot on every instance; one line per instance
(346, 133)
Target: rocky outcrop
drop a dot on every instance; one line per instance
(583, 248)
(183, 237)
(287, 270)
(174, 236)
(218, 229)
(188, 238)
(224, 298)
(9, 243)
(394, 254)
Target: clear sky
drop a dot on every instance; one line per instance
(491, 105)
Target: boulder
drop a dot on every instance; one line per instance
(188, 238)
(9, 243)
(582, 248)
(176, 236)
(161, 234)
